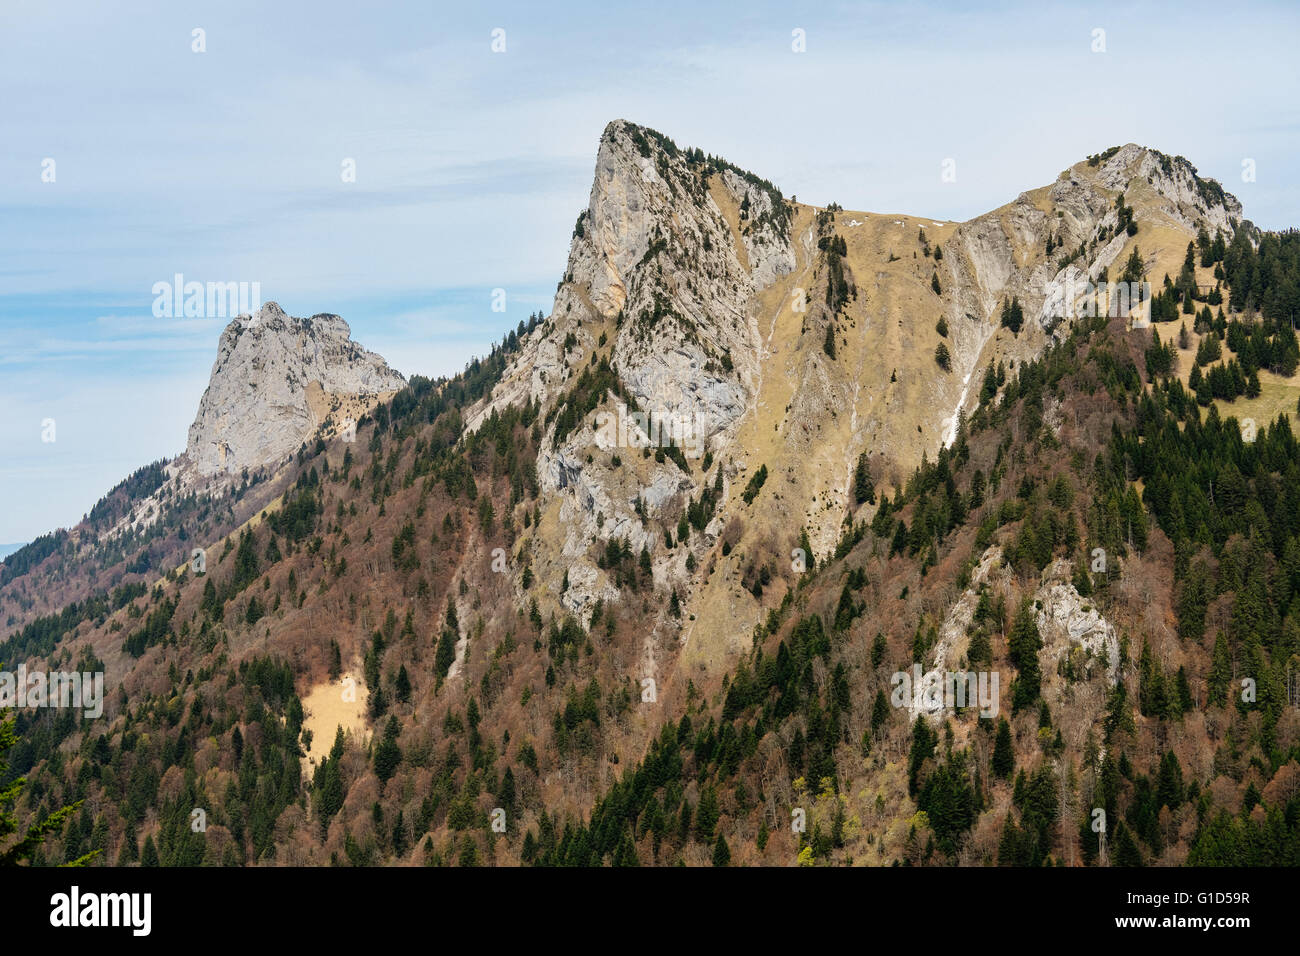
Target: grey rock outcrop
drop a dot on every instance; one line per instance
(656, 271)
(954, 634)
(1072, 628)
(276, 380)
(654, 252)
(683, 274)
(990, 256)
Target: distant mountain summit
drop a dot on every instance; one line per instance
(782, 511)
(277, 379)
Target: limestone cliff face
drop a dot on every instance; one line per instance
(1184, 196)
(276, 380)
(1003, 254)
(791, 338)
(657, 267)
(664, 268)
(1079, 659)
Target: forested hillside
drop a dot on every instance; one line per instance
(476, 632)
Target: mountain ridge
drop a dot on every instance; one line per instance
(637, 654)
(652, 201)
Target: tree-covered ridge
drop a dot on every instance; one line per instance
(40, 637)
(479, 702)
(93, 560)
(106, 512)
(140, 484)
(189, 627)
(811, 699)
(30, 555)
(1264, 277)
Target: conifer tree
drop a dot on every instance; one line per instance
(1004, 755)
(149, 855)
(26, 846)
(1009, 845)
(1126, 848)
(864, 491)
(721, 852)
(388, 755)
(1023, 645)
(879, 712)
(706, 815)
(445, 656)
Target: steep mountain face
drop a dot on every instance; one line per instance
(275, 381)
(507, 601)
(1008, 253)
(658, 267)
(795, 340)
(666, 264)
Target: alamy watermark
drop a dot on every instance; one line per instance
(25, 688)
(76, 909)
(1072, 299)
(198, 300)
(624, 429)
(934, 691)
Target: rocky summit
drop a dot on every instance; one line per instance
(799, 340)
(792, 535)
(276, 381)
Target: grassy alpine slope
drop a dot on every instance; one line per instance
(665, 681)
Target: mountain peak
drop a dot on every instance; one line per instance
(276, 380)
(270, 311)
(778, 334)
(1170, 182)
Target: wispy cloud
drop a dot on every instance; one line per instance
(227, 165)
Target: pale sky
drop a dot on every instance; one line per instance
(471, 165)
